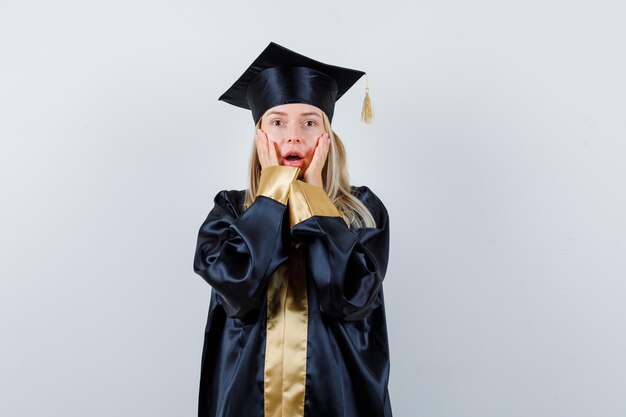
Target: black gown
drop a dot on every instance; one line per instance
(296, 323)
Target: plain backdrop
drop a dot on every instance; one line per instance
(497, 147)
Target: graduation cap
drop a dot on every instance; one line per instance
(281, 76)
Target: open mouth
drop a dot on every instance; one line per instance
(293, 157)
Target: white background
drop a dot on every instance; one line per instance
(498, 148)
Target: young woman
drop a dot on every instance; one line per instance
(296, 323)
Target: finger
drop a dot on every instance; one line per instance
(325, 149)
(316, 151)
(326, 141)
(259, 146)
(272, 152)
(262, 149)
(321, 150)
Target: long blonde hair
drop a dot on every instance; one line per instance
(334, 175)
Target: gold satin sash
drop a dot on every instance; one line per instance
(286, 343)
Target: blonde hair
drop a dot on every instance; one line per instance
(334, 175)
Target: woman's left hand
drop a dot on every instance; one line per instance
(313, 174)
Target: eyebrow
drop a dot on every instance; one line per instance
(280, 113)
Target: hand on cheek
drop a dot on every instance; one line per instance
(313, 174)
(266, 150)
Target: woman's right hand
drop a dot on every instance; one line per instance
(266, 150)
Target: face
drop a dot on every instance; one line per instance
(294, 129)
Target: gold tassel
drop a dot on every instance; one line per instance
(367, 115)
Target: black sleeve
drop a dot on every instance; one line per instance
(347, 265)
(236, 254)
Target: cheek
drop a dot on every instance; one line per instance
(270, 131)
(312, 136)
(271, 136)
(309, 152)
(274, 141)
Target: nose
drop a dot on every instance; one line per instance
(293, 135)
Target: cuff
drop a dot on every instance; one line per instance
(306, 201)
(275, 181)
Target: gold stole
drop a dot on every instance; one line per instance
(286, 343)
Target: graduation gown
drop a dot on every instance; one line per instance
(296, 323)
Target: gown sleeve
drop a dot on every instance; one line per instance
(347, 265)
(236, 254)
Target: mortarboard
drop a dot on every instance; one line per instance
(281, 76)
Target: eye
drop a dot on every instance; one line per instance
(310, 123)
(277, 122)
